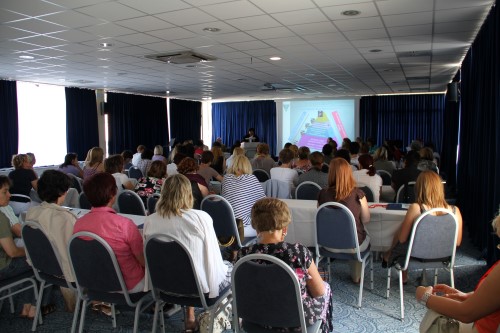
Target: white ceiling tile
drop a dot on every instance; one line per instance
(43, 41)
(359, 24)
(186, 17)
(72, 19)
(363, 34)
(276, 32)
(391, 7)
(408, 19)
(326, 38)
(249, 45)
(460, 14)
(110, 11)
(286, 41)
(366, 9)
(10, 33)
(222, 26)
(144, 23)
(300, 17)
(155, 7)
(449, 4)
(8, 16)
(194, 42)
(233, 9)
(313, 28)
(75, 36)
(254, 22)
(138, 39)
(172, 34)
(232, 37)
(277, 6)
(372, 43)
(108, 30)
(29, 7)
(440, 28)
(37, 26)
(410, 30)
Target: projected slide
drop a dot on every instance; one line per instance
(310, 123)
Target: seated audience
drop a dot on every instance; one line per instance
(242, 190)
(127, 159)
(328, 152)
(194, 229)
(409, 173)
(219, 163)
(262, 160)
(205, 170)
(284, 172)
(32, 159)
(236, 151)
(302, 164)
(94, 162)
(114, 166)
(367, 176)
(172, 167)
(145, 162)
(271, 217)
(158, 154)
(381, 161)
(344, 153)
(152, 183)
(119, 232)
(189, 168)
(71, 165)
(478, 310)
(315, 174)
(427, 160)
(342, 189)
(429, 194)
(137, 156)
(23, 177)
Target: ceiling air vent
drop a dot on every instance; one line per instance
(180, 58)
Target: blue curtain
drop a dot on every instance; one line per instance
(8, 119)
(135, 120)
(479, 154)
(82, 132)
(404, 117)
(185, 120)
(231, 121)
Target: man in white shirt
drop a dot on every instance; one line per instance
(137, 156)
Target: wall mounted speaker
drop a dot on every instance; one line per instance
(452, 93)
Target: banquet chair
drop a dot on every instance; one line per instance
(76, 182)
(135, 172)
(368, 193)
(307, 191)
(46, 266)
(34, 197)
(432, 244)
(84, 201)
(406, 193)
(222, 214)
(262, 175)
(16, 285)
(165, 255)
(99, 278)
(266, 292)
(386, 177)
(274, 188)
(130, 202)
(19, 203)
(336, 229)
(151, 203)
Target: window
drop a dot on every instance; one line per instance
(42, 121)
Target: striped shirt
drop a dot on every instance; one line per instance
(242, 192)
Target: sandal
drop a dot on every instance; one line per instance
(47, 309)
(26, 311)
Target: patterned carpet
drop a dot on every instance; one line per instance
(377, 314)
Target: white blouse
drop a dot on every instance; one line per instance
(373, 182)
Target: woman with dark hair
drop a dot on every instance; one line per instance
(219, 162)
(302, 164)
(114, 166)
(205, 170)
(71, 165)
(119, 232)
(127, 159)
(145, 162)
(194, 229)
(284, 172)
(147, 186)
(366, 176)
(327, 152)
(189, 168)
(55, 220)
(342, 189)
(262, 159)
(381, 160)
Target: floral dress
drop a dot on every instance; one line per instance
(147, 186)
(299, 258)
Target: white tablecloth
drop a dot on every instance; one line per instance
(382, 226)
(137, 219)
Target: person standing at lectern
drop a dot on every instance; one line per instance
(251, 137)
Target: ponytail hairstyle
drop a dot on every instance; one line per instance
(366, 162)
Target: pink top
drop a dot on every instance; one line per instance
(123, 237)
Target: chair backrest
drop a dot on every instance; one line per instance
(336, 228)
(76, 182)
(266, 292)
(406, 193)
(19, 203)
(434, 237)
(130, 202)
(274, 188)
(40, 251)
(386, 177)
(261, 175)
(307, 191)
(94, 264)
(84, 201)
(152, 200)
(222, 215)
(135, 172)
(164, 255)
(368, 193)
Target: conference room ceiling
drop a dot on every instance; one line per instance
(389, 47)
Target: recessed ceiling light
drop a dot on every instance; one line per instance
(105, 44)
(26, 57)
(275, 58)
(376, 50)
(210, 29)
(351, 12)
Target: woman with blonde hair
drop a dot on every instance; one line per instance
(381, 160)
(236, 151)
(342, 189)
(242, 190)
(429, 192)
(23, 177)
(158, 154)
(219, 162)
(94, 162)
(194, 229)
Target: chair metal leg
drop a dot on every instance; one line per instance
(82, 317)
(452, 278)
(11, 301)
(155, 316)
(388, 283)
(361, 283)
(75, 315)
(136, 317)
(371, 272)
(401, 295)
(38, 312)
(435, 276)
(113, 314)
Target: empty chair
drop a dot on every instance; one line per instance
(274, 188)
(267, 294)
(92, 259)
(261, 175)
(368, 193)
(182, 288)
(84, 201)
(307, 191)
(336, 230)
(130, 202)
(432, 244)
(386, 177)
(135, 172)
(152, 200)
(45, 261)
(406, 193)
